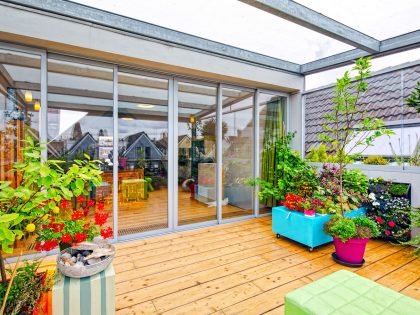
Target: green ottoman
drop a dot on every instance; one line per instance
(345, 293)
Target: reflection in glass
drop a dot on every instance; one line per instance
(20, 79)
(80, 120)
(272, 110)
(142, 153)
(196, 153)
(238, 151)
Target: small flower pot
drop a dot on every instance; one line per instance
(309, 213)
(352, 251)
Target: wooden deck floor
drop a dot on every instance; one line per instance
(238, 268)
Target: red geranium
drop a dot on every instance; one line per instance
(64, 204)
(66, 238)
(106, 232)
(100, 206)
(91, 203)
(291, 202)
(379, 220)
(46, 245)
(101, 217)
(80, 237)
(81, 199)
(391, 224)
(77, 215)
(58, 227)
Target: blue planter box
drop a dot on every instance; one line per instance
(305, 230)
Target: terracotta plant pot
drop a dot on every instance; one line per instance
(352, 251)
(309, 213)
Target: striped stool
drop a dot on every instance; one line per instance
(93, 295)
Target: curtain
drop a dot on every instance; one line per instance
(273, 130)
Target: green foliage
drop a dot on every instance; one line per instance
(318, 155)
(42, 186)
(26, 289)
(347, 228)
(398, 190)
(291, 174)
(414, 99)
(341, 133)
(375, 160)
(355, 181)
(415, 226)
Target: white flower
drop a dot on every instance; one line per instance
(372, 196)
(375, 203)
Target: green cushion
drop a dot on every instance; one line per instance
(346, 293)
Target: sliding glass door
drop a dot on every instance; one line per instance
(196, 143)
(237, 152)
(142, 153)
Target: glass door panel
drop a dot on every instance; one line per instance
(142, 151)
(272, 112)
(80, 102)
(238, 152)
(196, 153)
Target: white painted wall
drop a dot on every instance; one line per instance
(65, 35)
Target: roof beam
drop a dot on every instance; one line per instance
(388, 46)
(299, 14)
(154, 32)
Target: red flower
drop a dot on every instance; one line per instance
(64, 204)
(86, 226)
(379, 220)
(100, 206)
(81, 199)
(387, 233)
(66, 238)
(77, 215)
(106, 232)
(100, 218)
(391, 224)
(46, 246)
(91, 203)
(86, 212)
(80, 237)
(38, 246)
(58, 227)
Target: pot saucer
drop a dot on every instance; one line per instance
(337, 260)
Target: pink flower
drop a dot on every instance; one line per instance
(387, 233)
(391, 224)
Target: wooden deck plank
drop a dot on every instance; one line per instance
(238, 268)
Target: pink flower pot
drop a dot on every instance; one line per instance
(309, 213)
(351, 251)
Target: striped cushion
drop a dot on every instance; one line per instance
(93, 295)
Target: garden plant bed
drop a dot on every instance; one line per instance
(303, 229)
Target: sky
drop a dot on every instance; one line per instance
(235, 23)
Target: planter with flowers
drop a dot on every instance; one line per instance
(348, 132)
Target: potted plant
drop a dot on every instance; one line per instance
(69, 226)
(347, 140)
(308, 207)
(350, 237)
(43, 186)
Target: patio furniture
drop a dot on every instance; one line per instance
(134, 189)
(86, 296)
(345, 292)
(303, 229)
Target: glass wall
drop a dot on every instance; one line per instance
(20, 103)
(238, 152)
(272, 112)
(80, 102)
(196, 153)
(142, 151)
(80, 120)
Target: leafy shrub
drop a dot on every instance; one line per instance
(375, 160)
(398, 190)
(415, 224)
(26, 289)
(347, 228)
(354, 180)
